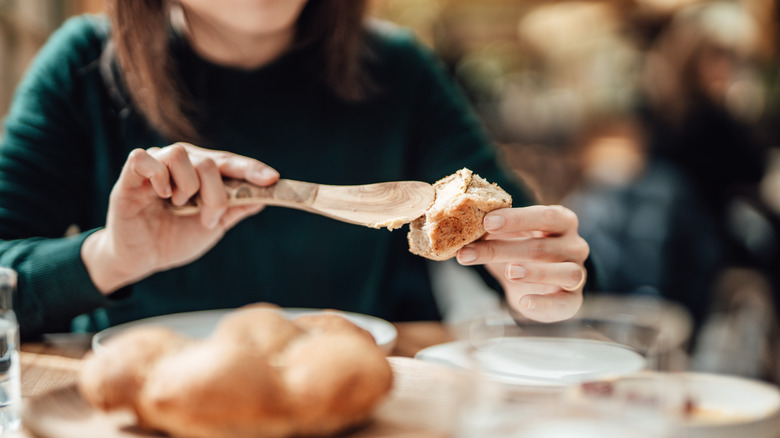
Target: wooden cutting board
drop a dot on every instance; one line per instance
(424, 403)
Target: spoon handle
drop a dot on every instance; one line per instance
(285, 192)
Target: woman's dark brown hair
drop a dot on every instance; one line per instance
(141, 32)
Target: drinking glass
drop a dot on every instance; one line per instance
(545, 407)
(10, 379)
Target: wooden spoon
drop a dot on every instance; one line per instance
(388, 204)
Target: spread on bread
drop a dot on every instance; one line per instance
(455, 218)
(391, 224)
(258, 374)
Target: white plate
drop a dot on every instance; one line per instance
(719, 406)
(201, 323)
(538, 361)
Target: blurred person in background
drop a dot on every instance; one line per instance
(308, 90)
(703, 99)
(702, 102)
(645, 225)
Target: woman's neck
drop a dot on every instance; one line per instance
(231, 48)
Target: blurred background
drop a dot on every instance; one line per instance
(657, 121)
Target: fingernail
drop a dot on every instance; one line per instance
(493, 222)
(214, 222)
(529, 303)
(516, 272)
(466, 255)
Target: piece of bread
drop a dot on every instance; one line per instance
(455, 218)
(259, 374)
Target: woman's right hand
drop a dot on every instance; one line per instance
(143, 236)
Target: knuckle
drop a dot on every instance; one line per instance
(575, 221)
(178, 149)
(536, 249)
(583, 248)
(486, 252)
(176, 153)
(570, 217)
(550, 214)
(576, 275)
(153, 151)
(535, 274)
(565, 215)
(136, 155)
(182, 144)
(206, 165)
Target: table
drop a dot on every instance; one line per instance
(424, 397)
(54, 365)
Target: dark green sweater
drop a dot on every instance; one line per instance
(68, 134)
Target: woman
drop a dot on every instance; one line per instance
(306, 89)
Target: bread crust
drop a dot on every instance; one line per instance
(455, 218)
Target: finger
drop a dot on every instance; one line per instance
(237, 166)
(568, 276)
(495, 251)
(551, 307)
(567, 248)
(140, 168)
(186, 182)
(214, 199)
(513, 235)
(249, 169)
(550, 219)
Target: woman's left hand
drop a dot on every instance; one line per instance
(537, 255)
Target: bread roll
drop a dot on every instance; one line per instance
(111, 380)
(455, 218)
(258, 375)
(332, 383)
(215, 389)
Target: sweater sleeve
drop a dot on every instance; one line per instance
(45, 175)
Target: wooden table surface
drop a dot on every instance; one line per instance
(53, 365)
